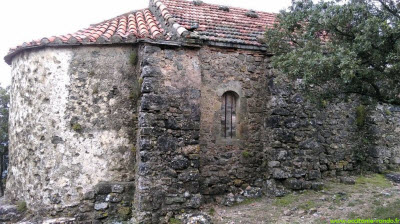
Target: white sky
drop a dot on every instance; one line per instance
(26, 20)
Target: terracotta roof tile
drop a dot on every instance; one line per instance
(215, 22)
(123, 28)
(188, 20)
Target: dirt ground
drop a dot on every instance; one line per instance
(371, 197)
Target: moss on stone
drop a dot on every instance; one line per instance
(77, 127)
(135, 93)
(21, 206)
(96, 90)
(361, 115)
(237, 182)
(133, 149)
(140, 82)
(133, 58)
(246, 154)
(124, 211)
(324, 103)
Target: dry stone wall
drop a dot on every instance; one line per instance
(307, 139)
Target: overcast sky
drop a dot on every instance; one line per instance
(26, 20)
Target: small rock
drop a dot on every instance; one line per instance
(186, 194)
(100, 206)
(301, 212)
(313, 211)
(279, 174)
(196, 219)
(195, 201)
(89, 195)
(117, 188)
(252, 192)
(347, 180)
(395, 177)
(273, 164)
(229, 200)
(113, 197)
(287, 213)
(317, 186)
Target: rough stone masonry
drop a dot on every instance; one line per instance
(143, 130)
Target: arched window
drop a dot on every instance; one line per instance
(228, 114)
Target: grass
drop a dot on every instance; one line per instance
(376, 202)
(248, 201)
(391, 211)
(351, 204)
(339, 198)
(21, 206)
(364, 200)
(211, 211)
(353, 215)
(308, 205)
(286, 200)
(376, 180)
(174, 221)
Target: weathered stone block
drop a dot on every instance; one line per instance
(179, 163)
(314, 174)
(273, 164)
(189, 175)
(117, 188)
(279, 174)
(317, 186)
(195, 201)
(348, 180)
(101, 206)
(173, 200)
(294, 184)
(113, 197)
(252, 192)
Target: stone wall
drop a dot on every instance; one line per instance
(106, 133)
(169, 125)
(284, 140)
(307, 138)
(72, 126)
(230, 165)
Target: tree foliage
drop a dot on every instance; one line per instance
(340, 46)
(4, 105)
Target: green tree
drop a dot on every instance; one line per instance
(4, 106)
(338, 47)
